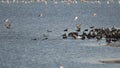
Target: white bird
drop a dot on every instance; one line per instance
(41, 15)
(45, 2)
(119, 1)
(94, 14)
(75, 18)
(7, 24)
(108, 2)
(61, 67)
(55, 2)
(78, 26)
(99, 2)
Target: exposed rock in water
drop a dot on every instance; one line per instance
(110, 61)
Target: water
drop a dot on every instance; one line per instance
(19, 50)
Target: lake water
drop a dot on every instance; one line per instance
(34, 20)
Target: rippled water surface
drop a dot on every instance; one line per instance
(18, 49)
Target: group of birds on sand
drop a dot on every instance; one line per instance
(109, 34)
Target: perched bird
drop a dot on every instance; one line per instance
(78, 26)
(64, 36)
(40, 15)
(45, 38)
(92, 27)
(7, 24)
(49, 31)
(86, 30)
(34, 39)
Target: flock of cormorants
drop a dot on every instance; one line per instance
(110, 34)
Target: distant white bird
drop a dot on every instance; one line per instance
(7, 24)
(55, 2)
(41, 14)
(108, 2)
(76, 2)
(61, 67)
(75, 18)
(119, 1)
(99, 2)
(45, 2)
(94, 14)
